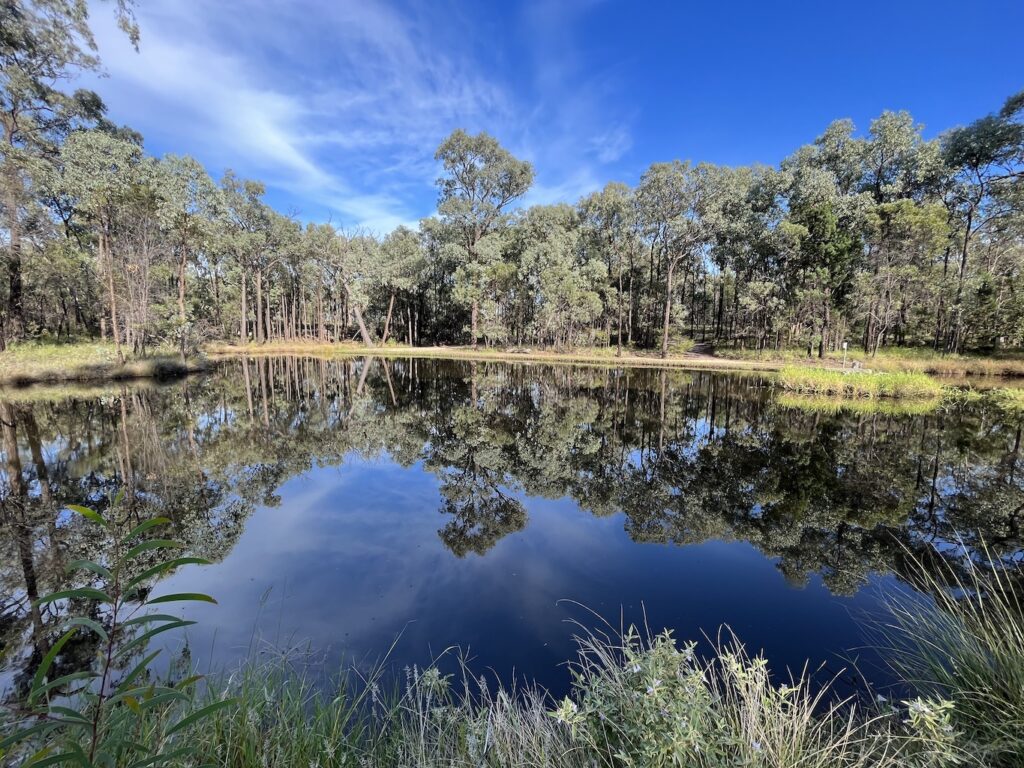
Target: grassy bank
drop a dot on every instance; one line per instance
(890, 360)
(859, 384)
(31, 363)
(600, 356)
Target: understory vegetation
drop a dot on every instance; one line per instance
(851, 383)
(637, 699)
(895, 359)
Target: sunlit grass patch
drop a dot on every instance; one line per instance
(858, 384)
(894, 359)
(29, 363)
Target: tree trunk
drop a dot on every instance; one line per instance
(107, 258)
(387, 320)
(618, 336)
(668, 308)
(826, 319)
(182, 266)
(259, 305)
(472, 322)
(15, 285)
(243, 323)
(721, 307)
(358, 312)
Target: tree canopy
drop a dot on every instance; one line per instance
(880, 239)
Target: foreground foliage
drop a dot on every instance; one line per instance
(636, 701)
(115, 712)
(967, 647)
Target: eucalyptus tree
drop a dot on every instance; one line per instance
(562, 282)
(481, 179)
(986, 163)
(669, 197)
(827, 226)
(244, 235)
(403, 262)
(358, 260)
(905, 244)
(188, 204)
(43, 43)
(100, 171)
(609, 219)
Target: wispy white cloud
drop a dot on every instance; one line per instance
(338, 106)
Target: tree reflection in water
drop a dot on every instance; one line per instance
(685, 457)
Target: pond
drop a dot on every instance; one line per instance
(369, 508)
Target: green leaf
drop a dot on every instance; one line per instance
(146, 546)
(165, 757)
(95, 626)
(25, 733)
(147, 618)
(47, 662)
(189, 681)
(145, 526)
(64, 680)
(89, 565)
(71, 715)
(199, 714)
(166, 566)
(88, 514)
(59, 759)
(85, 593)
(178, 597)
(164, 698)
(143, 639)
(136, 671)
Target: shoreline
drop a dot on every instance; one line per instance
(686, 361)
(57, 372)
(95, 362)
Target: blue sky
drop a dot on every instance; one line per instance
(339, 105)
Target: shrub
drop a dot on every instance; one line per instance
(115, 713)
(966, 645)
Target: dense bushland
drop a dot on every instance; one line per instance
(881, 239)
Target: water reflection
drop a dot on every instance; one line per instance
(371, 493)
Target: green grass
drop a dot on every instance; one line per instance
(30, 363)
(894, 359)
(858, 384)
(647, 702)
(966, 646)
(1011, 401)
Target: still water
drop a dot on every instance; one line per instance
(360, 508)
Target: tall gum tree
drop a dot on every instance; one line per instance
(669, 198)
(481, 178)
(101, 172)
(42, 43)
(188, 203)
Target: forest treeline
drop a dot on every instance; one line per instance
(876, 239)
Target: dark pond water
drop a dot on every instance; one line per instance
(349, 503)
